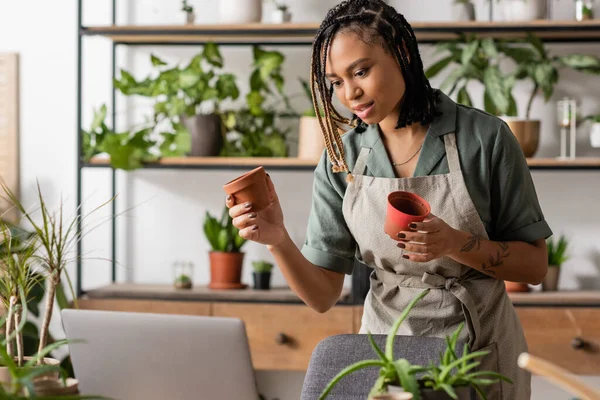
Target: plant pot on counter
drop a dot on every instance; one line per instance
(206, 134)
(6, 378)
(527, 133)
(226, 270)
(262, 280)
(550, 282)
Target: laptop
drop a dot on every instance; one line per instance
(133, 356)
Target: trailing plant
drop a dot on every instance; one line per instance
(186, 7)
(557, 251)
(452, 370)
(221, 234)
(262, 266)
(253, 129)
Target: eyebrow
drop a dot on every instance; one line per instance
(350, 67)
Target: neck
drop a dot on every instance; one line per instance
(389, 131)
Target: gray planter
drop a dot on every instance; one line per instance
(206, 134)
(463, 12)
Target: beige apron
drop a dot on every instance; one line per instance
(458, 294)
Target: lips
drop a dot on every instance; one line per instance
(363, 110)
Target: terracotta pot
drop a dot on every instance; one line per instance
(310, 139)
(54, 387)
(527, 134)
(404, 208)
(516, 287)
(226, 270)
(250, 187)
(206, 133)
(550, 282)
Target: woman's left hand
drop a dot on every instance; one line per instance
(428, 240)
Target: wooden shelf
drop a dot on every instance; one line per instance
(292, 163)
(200, 293)
(561, 298)
(275, 163)
(303, 33)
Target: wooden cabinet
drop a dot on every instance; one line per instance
(282, 337)
(147, 306)
(568, 337)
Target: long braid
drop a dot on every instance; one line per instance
(372, 20)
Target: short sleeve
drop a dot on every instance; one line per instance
(517, 215)
(329, 243)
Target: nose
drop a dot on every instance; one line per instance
(353, 92)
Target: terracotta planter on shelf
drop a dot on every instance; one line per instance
(550, 282)
(516, 287)
(250, 187)
(527, 133)
(226, 270)
(310, 139)
(403, 208)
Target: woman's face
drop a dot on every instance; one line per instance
(365, 78)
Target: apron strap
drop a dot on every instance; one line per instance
(435, 281)
(452, 152)
(361, 161)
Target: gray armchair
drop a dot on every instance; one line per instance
(337, 352)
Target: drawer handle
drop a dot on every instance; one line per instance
(578, 343)
(282, 338)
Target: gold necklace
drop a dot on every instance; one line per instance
(411, 157)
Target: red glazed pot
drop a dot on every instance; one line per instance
(250, 187)
(403, 208)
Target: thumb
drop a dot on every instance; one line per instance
(430, 217)
(271, 188)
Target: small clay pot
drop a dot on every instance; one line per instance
(226, 270)
(250, 187)
(403, 208)
(516, 287)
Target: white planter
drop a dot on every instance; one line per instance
(190, 17)
(463, 12)
(595, 135)
(280, 16)
(240, 11)
(524, 10)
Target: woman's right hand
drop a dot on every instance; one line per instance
(264, 227)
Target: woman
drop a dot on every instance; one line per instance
(486, 224)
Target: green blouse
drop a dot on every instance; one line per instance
(494, 167)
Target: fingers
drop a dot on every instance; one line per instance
(431, 224)
(414, 236)
(229, 201)
(419, 257)
(250, 233)
(239, 209)
(418, 248)
(245, 220)
(271, 188)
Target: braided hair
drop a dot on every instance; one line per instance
(372, 21)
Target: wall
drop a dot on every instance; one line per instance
(166, 208)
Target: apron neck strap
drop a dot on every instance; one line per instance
(361, 161)
(452, 152)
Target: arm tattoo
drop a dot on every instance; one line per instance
(474, 242)
(496, 261)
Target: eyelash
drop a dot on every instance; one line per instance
(364, 71)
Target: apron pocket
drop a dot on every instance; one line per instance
(489, 362)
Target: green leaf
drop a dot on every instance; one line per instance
(439, 66)
(389, 345)
(512, 110)
(494, 88)
(489, 48)
(346, 371)
(276, 143)
(407, 381)
(212, 55)
(579, 61)
(156, 62)
(463, 97)
(255, 101)
(227, 87)
(189, 79)
(537, 44)
(450, 83)
(520, 55)
(99, 117)
(469, 51)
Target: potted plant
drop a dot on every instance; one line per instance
(253, 130)
(452, 378)
(310, 137)
(262, 274)
(183, 275)
(463, 10)
(557, 255)
(523, 10)
(51, 247)
(226, 258)
(188, 98)
(594, 130)
(240, 11)
(190, 17)
(280, 14)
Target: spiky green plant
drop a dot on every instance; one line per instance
(262, 266)
(221, 234)
(557, 251)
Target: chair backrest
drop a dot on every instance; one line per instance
(337, 352)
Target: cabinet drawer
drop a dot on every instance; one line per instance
(568, 337)
(282, 337)
(146, 306)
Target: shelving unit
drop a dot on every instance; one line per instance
(291, 34)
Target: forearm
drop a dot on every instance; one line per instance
(319, 288)
(512, 261)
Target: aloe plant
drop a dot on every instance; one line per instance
(557, 251)
(451, 372)
(221, 234)
(261, 266)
